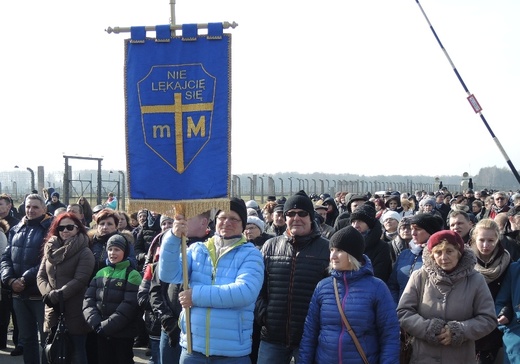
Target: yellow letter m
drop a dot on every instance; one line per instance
(198, 129)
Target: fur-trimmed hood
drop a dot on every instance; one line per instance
(464, 268)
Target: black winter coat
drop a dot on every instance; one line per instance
(111, 301)
(164, 302)
(379, 253)
(293, 268)
(151, 321)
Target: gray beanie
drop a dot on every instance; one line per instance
(256, 221)
(165, 218)
(119, 241)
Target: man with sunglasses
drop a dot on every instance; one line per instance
(511, 237)
(294, 263)
(500, 204)
(19, 267)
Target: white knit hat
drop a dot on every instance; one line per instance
(391, 215)
(255, 220)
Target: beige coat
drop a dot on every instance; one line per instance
(460, 299)
(67, 268)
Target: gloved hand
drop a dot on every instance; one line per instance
(48, 302)
(99, 330)
(170, 326)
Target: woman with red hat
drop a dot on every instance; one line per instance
(446, 305)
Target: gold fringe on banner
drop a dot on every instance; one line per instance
(188, 208)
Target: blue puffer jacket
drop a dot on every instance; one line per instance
(406, 263)
(370, 310)
(23, 255)
(224, 292)
(508, 303)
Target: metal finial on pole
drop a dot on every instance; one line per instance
(472, 99)
(172, 16)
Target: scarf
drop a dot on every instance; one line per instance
(57, 250)
(223, 245)
(495, 267)
(416, 248)
(391, 236)
(443, 280)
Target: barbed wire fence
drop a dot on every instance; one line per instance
(18, 182)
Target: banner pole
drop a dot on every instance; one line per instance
(185, 281)
(471, 98)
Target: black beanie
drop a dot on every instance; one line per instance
(365, 213)
(349, 240)
(278, 207)
(239, 206)
(351, 198)
(430, 223)
(118, 241)
(299, 201)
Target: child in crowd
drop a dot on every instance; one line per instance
(110, 306)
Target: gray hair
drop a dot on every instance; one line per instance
(35, 196)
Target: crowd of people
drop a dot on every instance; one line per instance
(303, 279)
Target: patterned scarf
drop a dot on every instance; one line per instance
(495, 267)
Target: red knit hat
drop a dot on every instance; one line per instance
(448, 236)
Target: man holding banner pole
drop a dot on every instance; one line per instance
(225, 276)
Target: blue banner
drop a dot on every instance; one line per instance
(178, 123)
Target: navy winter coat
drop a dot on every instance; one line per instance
(23, 254)
(370, 310)
(406, 263)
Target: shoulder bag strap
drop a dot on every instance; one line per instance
(61, 317)
(347, 325)
(62, 304)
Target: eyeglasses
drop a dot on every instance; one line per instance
(229, 219)
(499, 198)
(69, 227)
(294, 213)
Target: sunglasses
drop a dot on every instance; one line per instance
(294, 213)
(69, 227)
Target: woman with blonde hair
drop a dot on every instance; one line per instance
(492, 262)
(408, 207)
(364, 300)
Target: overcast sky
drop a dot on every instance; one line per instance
(334, 86)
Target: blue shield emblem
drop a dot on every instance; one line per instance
(177, 103)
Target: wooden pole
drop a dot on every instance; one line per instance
(186, 286)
